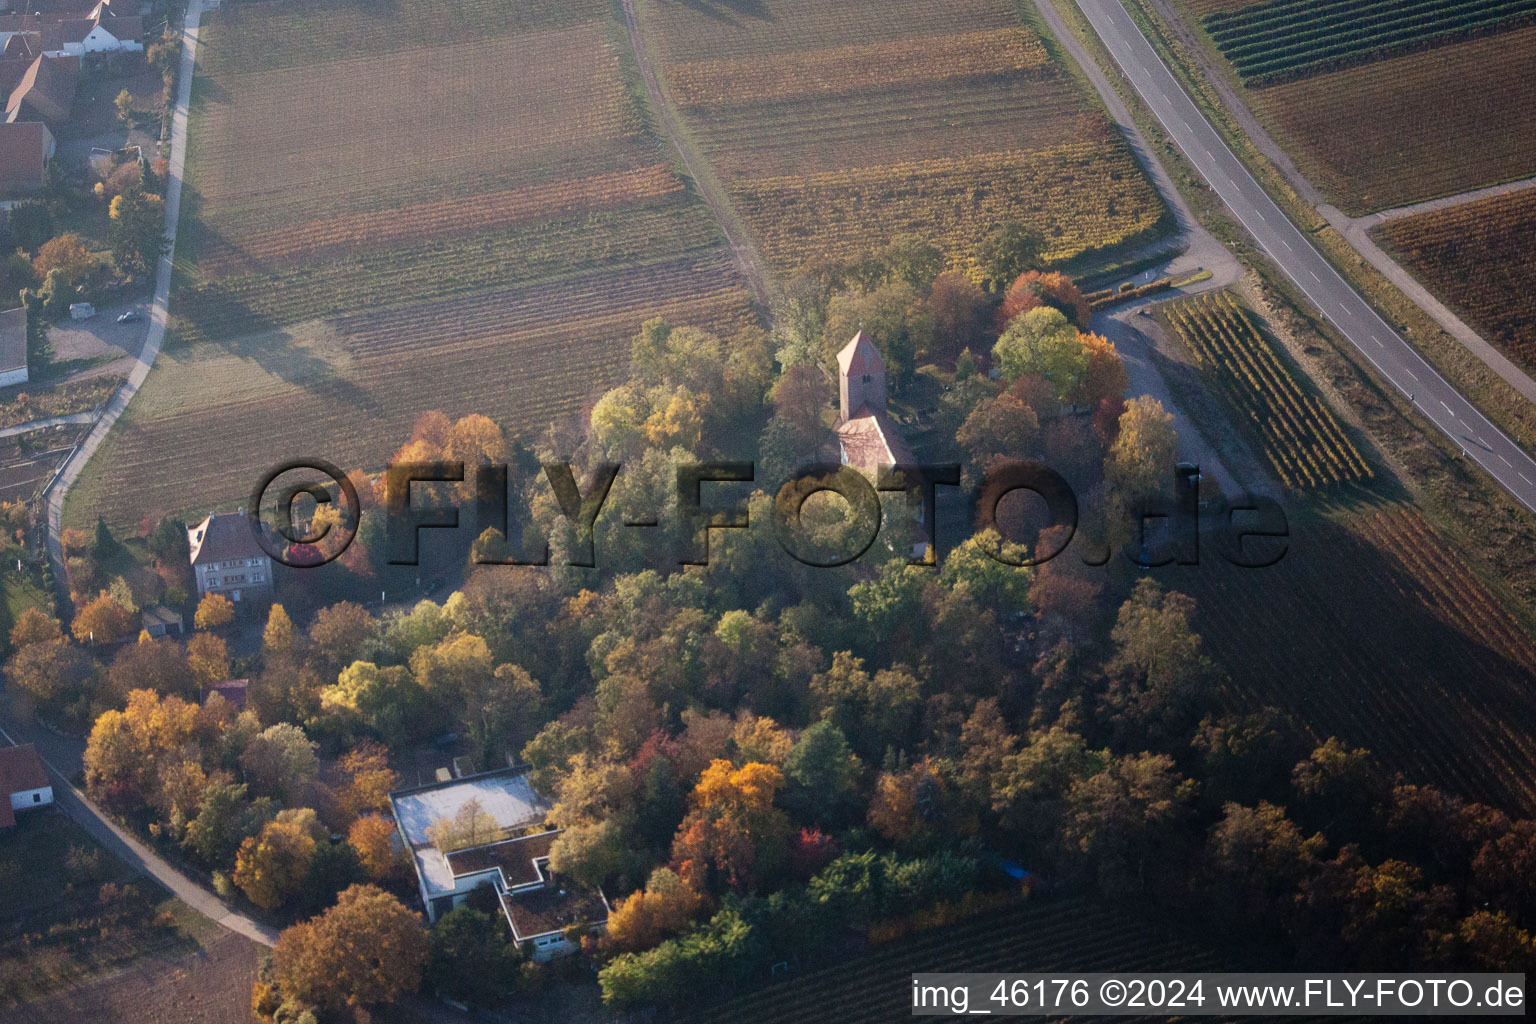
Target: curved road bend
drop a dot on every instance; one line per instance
(1354, 318)
(123, 845)
(158, 310)
(141, 858)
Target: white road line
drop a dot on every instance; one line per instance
(1379, 345)
(1525, 478)
(1506, 462)
(1286, 244)
(1315, 277)
(1446, 407)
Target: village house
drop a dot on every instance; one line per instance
(227, 560)
(157, 620)
(24, 782)
(103, 28)
(542, 910)
(46, 91)
(25, 149)
(13, 346)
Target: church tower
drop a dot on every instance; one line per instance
(861, 378)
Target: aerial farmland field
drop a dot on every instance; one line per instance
(1481, 258)
(836, 129)
(370, 226)
(1381, 124)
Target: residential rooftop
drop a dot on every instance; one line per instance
(505, 795)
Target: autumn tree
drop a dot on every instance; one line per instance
(1130, 817)
(208, 658)
(213, 611)
(127, 748)
(160, 665)
(1034, 289)
(372, 836)
(960, 313)
(104, 619)
(34, 626)
(51, 672)
(643, 919)
(589, 852)
(270, 867)
(68, 255)
(338, 634)
(277, 637)
(365, 951)
(369, 779)
(1141, 460)
(471, 825)
(280, 761)
(124, 105)
(734, 837)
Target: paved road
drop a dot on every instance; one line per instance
(1392, 356)
(158, 310)
(62, 764)
(61, 755)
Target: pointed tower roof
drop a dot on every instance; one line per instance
(860, 356)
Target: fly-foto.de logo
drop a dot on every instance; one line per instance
(1164, 529)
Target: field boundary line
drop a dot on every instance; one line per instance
(667, 120)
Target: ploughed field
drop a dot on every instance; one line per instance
(1383, 104)
(456, 204)
(835, 127)
(1481, 259)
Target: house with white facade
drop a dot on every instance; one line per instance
(227, 560)
(13, 347)
(24, 784)
(543, 911)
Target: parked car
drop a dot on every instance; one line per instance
(129, 317)
(81, 311)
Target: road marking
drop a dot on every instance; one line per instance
(1525, 478)
(1506, 462)
(1287, 245)
(1446, 407)
(1314, 275)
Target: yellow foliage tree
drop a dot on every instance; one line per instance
(213, 611)
(372, 836)
(271, 866)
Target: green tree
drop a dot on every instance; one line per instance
(1044, 343)
(469, 957)
(1007, 252)
(137, 232)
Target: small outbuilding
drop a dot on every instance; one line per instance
(24, 782)
(13, 347)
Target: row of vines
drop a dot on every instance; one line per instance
(1300, 437)
(1288, 39)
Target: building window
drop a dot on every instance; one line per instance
(37, 798)
(867, 378)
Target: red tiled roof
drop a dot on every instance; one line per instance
(860, 356)
(23, 154)
(871, 440)
(48, 88)
(20, 770)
